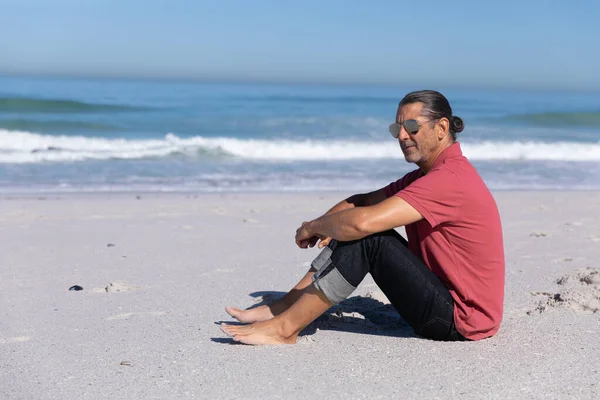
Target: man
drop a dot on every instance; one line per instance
(447, 281)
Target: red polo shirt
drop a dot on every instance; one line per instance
(459, 238)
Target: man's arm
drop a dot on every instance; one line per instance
(354, 223)
(359, 200)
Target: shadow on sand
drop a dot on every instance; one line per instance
(357, 314)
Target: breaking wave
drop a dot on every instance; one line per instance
(26, 147)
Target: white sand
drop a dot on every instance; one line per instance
(158, 271)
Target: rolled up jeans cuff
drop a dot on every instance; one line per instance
(323, 260)
(329, 280)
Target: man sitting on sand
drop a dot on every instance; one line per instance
(447, 281)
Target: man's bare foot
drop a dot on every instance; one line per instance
(264, 312)
(265, 332)
(261, 313)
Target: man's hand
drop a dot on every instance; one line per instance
(306, 239)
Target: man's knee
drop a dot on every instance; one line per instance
(328, 279)
(333, 285)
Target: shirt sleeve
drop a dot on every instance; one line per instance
(401, 183)
(437, 196)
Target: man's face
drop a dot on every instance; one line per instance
(417, 148)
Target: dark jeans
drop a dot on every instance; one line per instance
(420, 297)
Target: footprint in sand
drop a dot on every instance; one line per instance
(586, 276)
(16, 339)
(538, 234)
(580, 293)
(563, 259)
(219, 211)
(135, 314)
(575, 223)
(218, 271)
(117, 287)
(578, 301)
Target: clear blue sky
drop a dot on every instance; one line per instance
(531, 43)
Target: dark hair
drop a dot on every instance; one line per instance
(435, 106)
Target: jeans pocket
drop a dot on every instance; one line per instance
(436, 328)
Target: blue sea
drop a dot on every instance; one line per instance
(101, 135)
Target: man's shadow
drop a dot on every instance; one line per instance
(357, 314)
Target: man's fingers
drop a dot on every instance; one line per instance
(306, 243)
(324, 242)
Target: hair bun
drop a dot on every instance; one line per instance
(457, 124)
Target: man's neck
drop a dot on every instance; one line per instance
(426, 166)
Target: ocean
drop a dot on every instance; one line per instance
(116, 135)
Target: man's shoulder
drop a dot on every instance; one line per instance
(458, 166)
(402, 183)
(463, 174)
(411, 176)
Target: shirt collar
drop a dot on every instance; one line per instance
(451, 152)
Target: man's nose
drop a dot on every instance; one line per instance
(403, 135)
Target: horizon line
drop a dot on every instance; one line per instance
(292, 81)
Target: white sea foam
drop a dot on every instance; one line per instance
(27, 147)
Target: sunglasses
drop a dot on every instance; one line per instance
(410, 125)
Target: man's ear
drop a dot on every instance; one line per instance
(443, 128)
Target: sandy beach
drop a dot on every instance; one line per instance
(157, 271)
